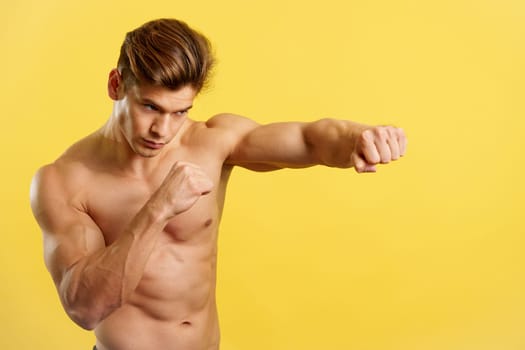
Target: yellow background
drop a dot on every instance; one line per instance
(426, 254)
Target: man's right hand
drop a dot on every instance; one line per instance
(181, 188)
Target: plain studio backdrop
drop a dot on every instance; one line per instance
(428, 253)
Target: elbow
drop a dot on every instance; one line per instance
(87, 312)
(85, 323)
(80, 308)
(88, 316)
(84, 316)
(87, 307)
(86, 319)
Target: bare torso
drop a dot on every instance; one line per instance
(141, 275)
(173, 306)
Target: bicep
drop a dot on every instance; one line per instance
(69, 234)
(68, 243)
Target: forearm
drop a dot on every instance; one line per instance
(100, 283)
(331, 142)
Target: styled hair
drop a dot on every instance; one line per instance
(165, 52)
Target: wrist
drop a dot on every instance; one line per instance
(157, 212)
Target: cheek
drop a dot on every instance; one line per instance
(133, 123)
(178, 124)
(126, 125)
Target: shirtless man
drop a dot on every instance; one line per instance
(130, 213)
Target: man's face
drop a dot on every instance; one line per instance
(151, 116)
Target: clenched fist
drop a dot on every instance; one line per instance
(380, 144)
(181, 188)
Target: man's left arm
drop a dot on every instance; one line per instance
(330, 142)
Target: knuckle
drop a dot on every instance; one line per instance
(381, 134)
(366, 137)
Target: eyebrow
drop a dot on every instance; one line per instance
(160, 108)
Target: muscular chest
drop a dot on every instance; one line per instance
(114, 202)
(113, 211)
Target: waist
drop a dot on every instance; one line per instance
(132, 328)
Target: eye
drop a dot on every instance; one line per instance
(150, 107)
(181, 113)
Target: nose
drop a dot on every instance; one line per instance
(160, 126)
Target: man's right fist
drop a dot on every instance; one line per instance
(184, 184)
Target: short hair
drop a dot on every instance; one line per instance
(168, 53)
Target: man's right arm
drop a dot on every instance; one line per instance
(93, 280)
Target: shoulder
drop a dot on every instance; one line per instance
(222, 131)
(45, 180)
(54, 185)
(48, 195)
(232, 128)
(62, 181)
(232, 123)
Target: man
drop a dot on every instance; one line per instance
(130, 213)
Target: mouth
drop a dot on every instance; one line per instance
(152, 144)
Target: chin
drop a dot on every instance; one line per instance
(146, 152)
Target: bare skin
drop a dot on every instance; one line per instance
(130, 214)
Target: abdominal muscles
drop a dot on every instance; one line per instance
(173, 306)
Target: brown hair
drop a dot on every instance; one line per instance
(165, 52)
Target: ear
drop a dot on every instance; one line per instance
(115, 85)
